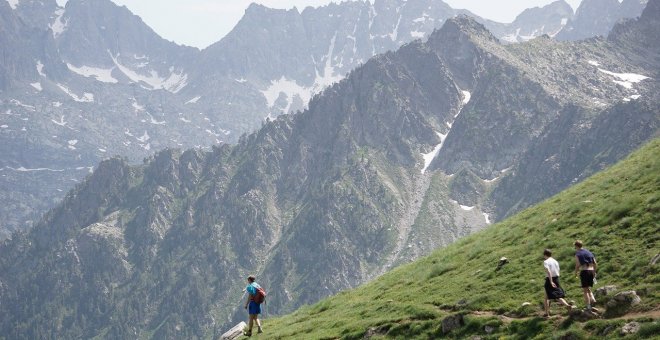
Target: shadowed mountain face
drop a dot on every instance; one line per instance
(409, 152)
(90, 80)
(597, 17)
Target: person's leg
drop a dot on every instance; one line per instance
(568, 305)
(250, 324)
(546, 304)
(591, 296)
(587, 298)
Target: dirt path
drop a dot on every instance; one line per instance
(653, 314)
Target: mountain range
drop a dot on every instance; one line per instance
(90, 80)
(409, 152)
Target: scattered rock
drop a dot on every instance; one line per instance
(526, 304)
(583, 315)
(503, 261)
(452, 322)
(235, 332)
(655, 259)
(375, 331)
(605, 290)
(607, 330)
(621, 303)
(630, 328)
(461, 302)
(489, 329)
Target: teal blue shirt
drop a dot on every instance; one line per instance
(252, 288)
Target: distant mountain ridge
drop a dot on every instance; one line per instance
(91, 80)
(411, 151)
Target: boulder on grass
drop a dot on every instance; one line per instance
(235, 332)
(605, 290)
(630, 328)
(452, 322)
(583, 315)
(621, 303)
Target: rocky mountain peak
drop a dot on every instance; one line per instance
(466, 26)
(459, 42)
(651, 11)
(560, 7)
(641, 33)
(598, 17)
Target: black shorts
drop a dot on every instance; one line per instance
(587, 278)
(553, 292)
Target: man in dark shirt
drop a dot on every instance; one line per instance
(586, 266)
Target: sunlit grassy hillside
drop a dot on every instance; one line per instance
(616, 213)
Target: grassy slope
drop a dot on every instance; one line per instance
(616, 213)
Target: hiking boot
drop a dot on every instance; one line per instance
(248, 333)
(259, 330)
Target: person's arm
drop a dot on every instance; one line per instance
(595, 266)
(577, 265)
(247, 291)
(547, 272)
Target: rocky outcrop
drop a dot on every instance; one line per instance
(452, 322)
(630, 328)
(621, 303)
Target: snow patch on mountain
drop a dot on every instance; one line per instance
(289, 88)
(194, 100)
(137, 106)
(428, 157)
(40, 68)
(173, 83)
(417, 34)
(100, 74)
(153, 120)
(61, 122)
(145, 137)
(512, 38)
(85, 98)
(24, 169)
(37, 86)
(58, 27)
(625, 79)
(466, 97)
(72, 144)
(19, 103)
(13, 3)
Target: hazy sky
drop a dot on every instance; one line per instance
(200, 23)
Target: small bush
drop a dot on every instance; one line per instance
(648, 330)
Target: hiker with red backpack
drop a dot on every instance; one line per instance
(256, 296)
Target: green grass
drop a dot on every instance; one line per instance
(616, 213)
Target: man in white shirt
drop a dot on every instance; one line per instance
(553, 290)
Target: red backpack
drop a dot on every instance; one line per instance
(260, 297)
